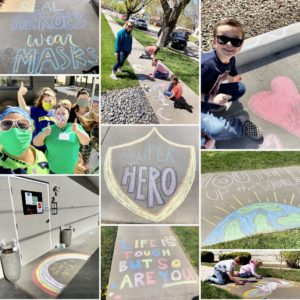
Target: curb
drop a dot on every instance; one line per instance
(269, 43)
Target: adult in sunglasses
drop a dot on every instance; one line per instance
(220, 83)
(42, 112)
(17, 156)
(123, 47)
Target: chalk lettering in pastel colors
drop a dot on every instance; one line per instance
(153, 192)
(92, 57)
(147, 262)
(176, 263)
(152, 243)
(122, 266)
(47, 57)
(26, 57)
(187, 274)
(50, 40)
(156, 252)
(269, 106)
(170, 241)
(139, 279)
(125, 245)
(165, 276)
(166, 252)
(78, 57)
(129, 174)
(150, 278)
(168, 172)
(162, 264)
(176, 275)
(127, 254)
(139, 253)
(49, 6)
(65, 58)
(126, 282)
(140, 181)
(135, 264)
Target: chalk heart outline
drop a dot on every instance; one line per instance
(177, 199)
(280, 106)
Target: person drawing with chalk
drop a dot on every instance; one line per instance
(62, 141)
(42, 112)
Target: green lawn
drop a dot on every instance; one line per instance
(185, 68)
(293, 275)
(108, 60)
(217, 161)
(189, 239)
(274, 240)
(108, 237)
(211, 292)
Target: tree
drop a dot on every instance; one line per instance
(172, 10)
(192, 12)
(134, 6)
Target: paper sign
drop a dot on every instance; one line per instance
(39, 207)
(64, 136)
(28, 198)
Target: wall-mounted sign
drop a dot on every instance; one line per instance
(32, 202)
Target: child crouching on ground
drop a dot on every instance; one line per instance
(160, 70)
(249, 270)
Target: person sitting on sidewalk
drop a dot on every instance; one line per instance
(224, 272)
(150, 52)
(160, 70)
(123, 47)
(174, 92)
(249, 270)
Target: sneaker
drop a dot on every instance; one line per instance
(113, 76)
(253, 131)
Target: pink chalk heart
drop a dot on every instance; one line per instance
(280, 106)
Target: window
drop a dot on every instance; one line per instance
(13, 82)
(32, 202)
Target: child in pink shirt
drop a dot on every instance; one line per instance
(249, 270)
(150, 52)
(160, 70)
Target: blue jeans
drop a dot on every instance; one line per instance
(245, 275)
(235, 89)
(167, 93)
(161, 75)
(220, 278)
(221, 129)
(121, 60)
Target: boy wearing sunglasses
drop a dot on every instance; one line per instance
(220, 83)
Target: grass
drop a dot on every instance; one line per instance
(189, 239)
(293, 275)
(108, 237)
(217, 161)
(288, 239)
(184, 67)
(108, 60)
(211, 292)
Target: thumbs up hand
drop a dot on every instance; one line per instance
(48, 130)
(22, 90)
(75, 126)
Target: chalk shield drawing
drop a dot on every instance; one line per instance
(150, 176)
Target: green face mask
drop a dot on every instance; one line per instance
(15, 141)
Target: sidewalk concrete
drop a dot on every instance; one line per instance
(145, 147)
(268, 287)
(239, 204)
(47, 276)
(149, 263)
(271, 102)
(163, 108)
(56, 37)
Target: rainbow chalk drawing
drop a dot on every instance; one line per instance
(147, 180)
(280, 105)
(44, 280)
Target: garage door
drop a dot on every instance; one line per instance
(31, 207)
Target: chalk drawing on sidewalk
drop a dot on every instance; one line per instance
(46, 280)
(265, 288)
(144, 175)
(280, 105)
(149, 263)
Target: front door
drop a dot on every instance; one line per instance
(31, 208)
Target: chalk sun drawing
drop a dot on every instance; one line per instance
(280, 105)
(44, 280)
(160, 181)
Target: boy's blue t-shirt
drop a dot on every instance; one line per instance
(41, 118)
(123, 41)
(214, 72)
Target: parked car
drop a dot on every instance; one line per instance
(141, 24)
(178, 40)
(133, 20)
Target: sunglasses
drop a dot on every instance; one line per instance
(129, 26)
(6, 125)
(235, 42)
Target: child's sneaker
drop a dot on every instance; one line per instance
(252, 130)
(113, 76)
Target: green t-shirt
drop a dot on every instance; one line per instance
(11, 165)
(62, 149)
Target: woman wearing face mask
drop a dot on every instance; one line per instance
(62, 141)
(17, 156)
(42, 113)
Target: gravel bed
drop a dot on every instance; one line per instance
(127, 106)
(257, 16)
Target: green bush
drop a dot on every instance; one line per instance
(207, 256)
(245, 256)
(292, 258)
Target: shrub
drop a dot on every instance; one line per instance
(292, 258)
(245, 256)
(207, 256)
